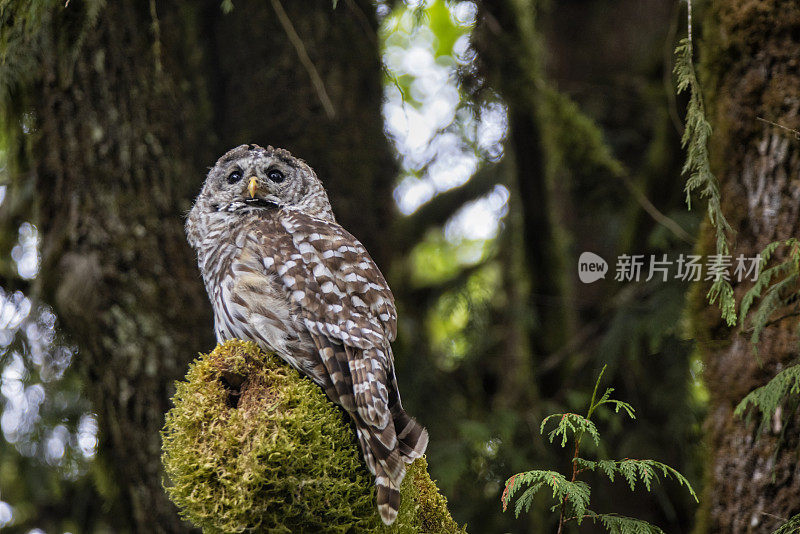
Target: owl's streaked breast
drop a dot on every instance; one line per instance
(248, 303)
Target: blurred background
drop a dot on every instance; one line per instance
(475, 148)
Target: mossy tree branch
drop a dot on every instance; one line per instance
(252, 446)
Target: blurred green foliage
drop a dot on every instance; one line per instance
(451, 361)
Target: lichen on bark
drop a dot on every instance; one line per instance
(251, 446)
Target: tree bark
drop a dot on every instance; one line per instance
(131, 107)
(749, 59)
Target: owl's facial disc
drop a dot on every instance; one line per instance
(269, 182)
(251, 177)
(260, 192)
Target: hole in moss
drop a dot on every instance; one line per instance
(232, 383)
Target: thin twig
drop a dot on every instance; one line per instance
(774, 516)
(655, 213)
(689, 3)
(585, 516)
(623, 298)
(795, 132)
(749, 331)
(572, 346)
(302, 53)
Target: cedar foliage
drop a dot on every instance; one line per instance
(776, 288)
(774, 296)
(571, 496)
(698, 171)
(773, 394)
(792, 526)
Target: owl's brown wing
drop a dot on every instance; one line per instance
(354, 302)
(348, 310)
(345, 304)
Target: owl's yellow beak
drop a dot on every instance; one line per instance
(252, 186)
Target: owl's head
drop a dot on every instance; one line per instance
(252, 177)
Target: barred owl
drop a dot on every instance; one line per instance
(281, 272)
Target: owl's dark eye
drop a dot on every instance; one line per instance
(275, 175)
(234, 177)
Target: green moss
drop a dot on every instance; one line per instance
(424, 508)
(251, 446)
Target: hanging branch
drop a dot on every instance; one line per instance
(698, 168)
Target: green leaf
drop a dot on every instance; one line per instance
(768, 397)
(575, 495)
(775, 286)
(721, 289)
(634, 471)
(606, 399)
(792, 526)
(607, 467)
(570, 422)
(618, 524)
(697, 169)
(618, 404)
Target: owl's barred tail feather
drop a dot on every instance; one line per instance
(386, 452)
(412, 436)
(388, 498)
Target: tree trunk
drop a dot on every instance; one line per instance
(750, 64)
(131, 108)
(506, 41)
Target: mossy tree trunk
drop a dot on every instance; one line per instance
(237, 391)
(130, 108)
(749, 60)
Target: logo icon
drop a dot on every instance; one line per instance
(591, 267)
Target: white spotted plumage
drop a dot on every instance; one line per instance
(281, 272)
